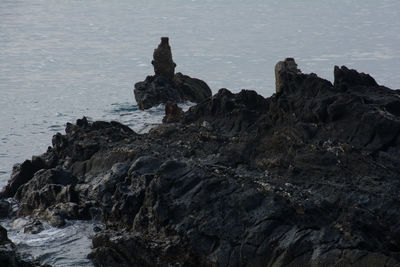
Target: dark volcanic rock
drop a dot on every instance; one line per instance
(166, 86)
(230, 113)
(23, 172)
(162, 60)
(282, 69)
(154, 91)
(47, 188)
(173, 113)
(191, 89)
(5, 208)
(345, 78)
(307, 177)
(157, 90)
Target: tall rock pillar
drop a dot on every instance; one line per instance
(162, 60)
(282, 69)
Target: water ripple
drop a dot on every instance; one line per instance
(67, 246)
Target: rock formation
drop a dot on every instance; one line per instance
(306, 177)
(173, 113)
(162, 60)
(282, 68)
(166, 86)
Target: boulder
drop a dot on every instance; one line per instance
(34, 227)
(5, 208)
(173, 113)
(156, 90)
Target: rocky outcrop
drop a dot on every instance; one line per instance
(162, 60)
(306, 177)
(345, 78)
(157, 90)
(23, 172)
(166, 86)
(282, 68)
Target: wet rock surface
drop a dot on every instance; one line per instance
(156, 90)
(307, 177)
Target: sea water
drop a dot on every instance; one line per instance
(67, 246)
(61, 60)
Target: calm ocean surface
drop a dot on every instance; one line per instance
(61, 60)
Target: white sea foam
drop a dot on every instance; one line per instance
(66, 246)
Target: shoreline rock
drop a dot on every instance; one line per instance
(162, 60)
(306, 177)
(155, 90)
(166, 86)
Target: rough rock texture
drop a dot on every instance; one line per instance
(166, 86)
(157, 90)
(281, 70)
(173, 113)
(162, 60)
(307, 177)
